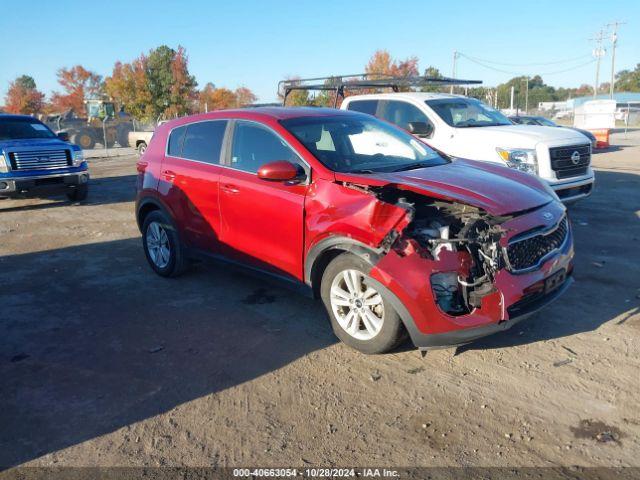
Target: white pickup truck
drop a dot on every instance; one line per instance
(140, 140)
(466, 128)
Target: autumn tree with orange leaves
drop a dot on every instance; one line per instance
(78, 84)
(155, 85)
(24, 97)
(212, 98)
(381, 64)
(127, 85)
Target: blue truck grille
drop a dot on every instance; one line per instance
(40, 159)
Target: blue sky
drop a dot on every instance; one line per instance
(256, 43)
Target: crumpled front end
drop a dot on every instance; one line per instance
(459, 273)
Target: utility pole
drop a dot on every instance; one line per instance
(453, 72)
(614, 41)
(526, 97)
(598, 52)
(511, 105)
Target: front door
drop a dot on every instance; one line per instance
(261, 221)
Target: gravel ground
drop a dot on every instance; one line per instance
(104, 363)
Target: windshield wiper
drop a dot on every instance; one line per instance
(412, 166)
(362, 170)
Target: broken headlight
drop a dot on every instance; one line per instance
(522, 159)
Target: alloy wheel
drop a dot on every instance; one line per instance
(158, 245)
(357, 306)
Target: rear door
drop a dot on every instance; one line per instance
(261, 221)
(190, 175)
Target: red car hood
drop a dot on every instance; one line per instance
(497, 190)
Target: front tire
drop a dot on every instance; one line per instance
(79, 193)
(361, 316)
(162, 245)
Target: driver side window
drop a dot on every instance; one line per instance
(402, 113)
(254, 145)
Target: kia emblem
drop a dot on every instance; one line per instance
(575, 157)
(547, 216)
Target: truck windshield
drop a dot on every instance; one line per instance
(467, 112)
(23, 128)
(361, 144)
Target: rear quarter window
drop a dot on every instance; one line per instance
(176, 137)
(364, 106)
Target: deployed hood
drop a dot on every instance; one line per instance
(520, 136)
(497, 190)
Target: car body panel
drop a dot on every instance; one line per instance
(280, 227)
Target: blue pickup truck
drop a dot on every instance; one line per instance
(35, 161)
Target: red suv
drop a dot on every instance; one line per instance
(393, 236)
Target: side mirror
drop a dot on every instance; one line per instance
(64, 136)
(421, 129)
(278, 171)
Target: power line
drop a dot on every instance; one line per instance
(511, 72)
(568, 60)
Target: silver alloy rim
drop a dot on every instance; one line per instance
(158, 245)
(356, 305)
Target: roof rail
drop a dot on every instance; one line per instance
(338, 83)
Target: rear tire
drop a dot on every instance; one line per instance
(361, 316)
(162, 245)
(84, 140)
(142, 147)
(79, 193)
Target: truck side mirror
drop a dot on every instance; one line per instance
(420, 129)
(64, 136)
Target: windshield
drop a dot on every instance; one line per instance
(361, 144)
(467, 112)
(22, 128)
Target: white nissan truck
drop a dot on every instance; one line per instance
(464, 127)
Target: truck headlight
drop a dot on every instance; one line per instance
(78, 157)
(521, 159)
(4, 168)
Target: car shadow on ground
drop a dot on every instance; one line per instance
(606, 228)
(102, 191)
(93, 341)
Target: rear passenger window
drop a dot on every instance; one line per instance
(175, 141)
(203, 141)
(364, 106)
(254, 145)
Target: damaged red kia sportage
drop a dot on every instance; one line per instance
(394, 237)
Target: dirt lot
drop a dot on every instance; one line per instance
(104, 363)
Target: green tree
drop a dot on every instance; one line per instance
(432, 72)
(628, 80)
(171, 86)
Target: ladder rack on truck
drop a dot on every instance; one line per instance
(340, 83)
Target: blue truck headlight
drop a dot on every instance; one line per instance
(77, 157)
(4, 167)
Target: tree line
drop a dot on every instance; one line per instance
(158, 85)
(152, 86)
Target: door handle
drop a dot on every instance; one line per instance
(169, 175)
(230, 188)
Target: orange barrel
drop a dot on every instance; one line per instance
(602, 137)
